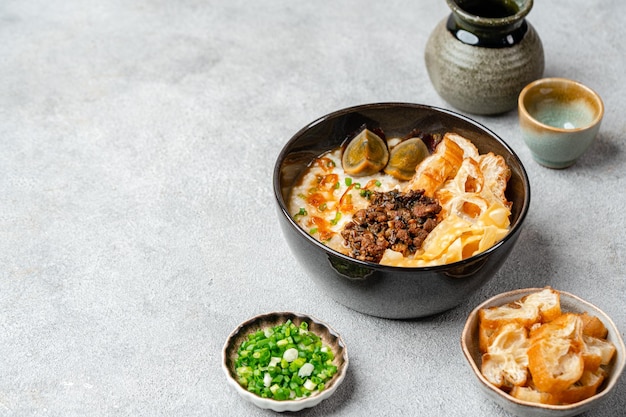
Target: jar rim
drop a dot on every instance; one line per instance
(524, 7)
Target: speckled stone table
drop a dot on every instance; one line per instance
(137, 226)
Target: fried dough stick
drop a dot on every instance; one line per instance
(433, 171)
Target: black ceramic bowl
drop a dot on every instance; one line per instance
(388, 291)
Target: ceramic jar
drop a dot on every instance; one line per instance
(481, 56)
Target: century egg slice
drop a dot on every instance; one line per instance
(365, 154)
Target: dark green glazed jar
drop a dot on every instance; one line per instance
(481, 56)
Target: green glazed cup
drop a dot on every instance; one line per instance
(559, 119)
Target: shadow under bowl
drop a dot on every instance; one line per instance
(388, 291)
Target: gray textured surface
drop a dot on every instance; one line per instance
(137, 226)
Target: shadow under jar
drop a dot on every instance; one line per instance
(391, 291)
(481, 56)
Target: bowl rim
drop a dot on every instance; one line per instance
(606, 319)
(285, 405)
(523, 110)
(376, 266)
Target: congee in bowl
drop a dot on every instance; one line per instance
(396, 209)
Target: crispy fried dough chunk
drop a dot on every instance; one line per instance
(498, 174)
(469, 149)
(505, 363)
(555, 358)
(593, 326)
(437, 168)
(596, 352)
(461, 196)
(538, 307)
(584, 388)
(532, 395)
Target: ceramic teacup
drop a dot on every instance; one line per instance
(559, 119)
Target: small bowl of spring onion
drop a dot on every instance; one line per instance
(284, 361)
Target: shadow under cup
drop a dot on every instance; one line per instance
(559, 119)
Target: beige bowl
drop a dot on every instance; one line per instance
(329, 338)
(569, 303)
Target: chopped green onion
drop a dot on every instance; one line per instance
(336, 219)
(378, 183)
(310, 385)
(348, 181)
(284, 362)
(337, 185)
(302, 212)
(313, 231)
(322, 207)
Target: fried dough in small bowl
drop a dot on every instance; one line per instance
(539, 352)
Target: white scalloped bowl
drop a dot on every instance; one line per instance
(569, 303)
(329, 337)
